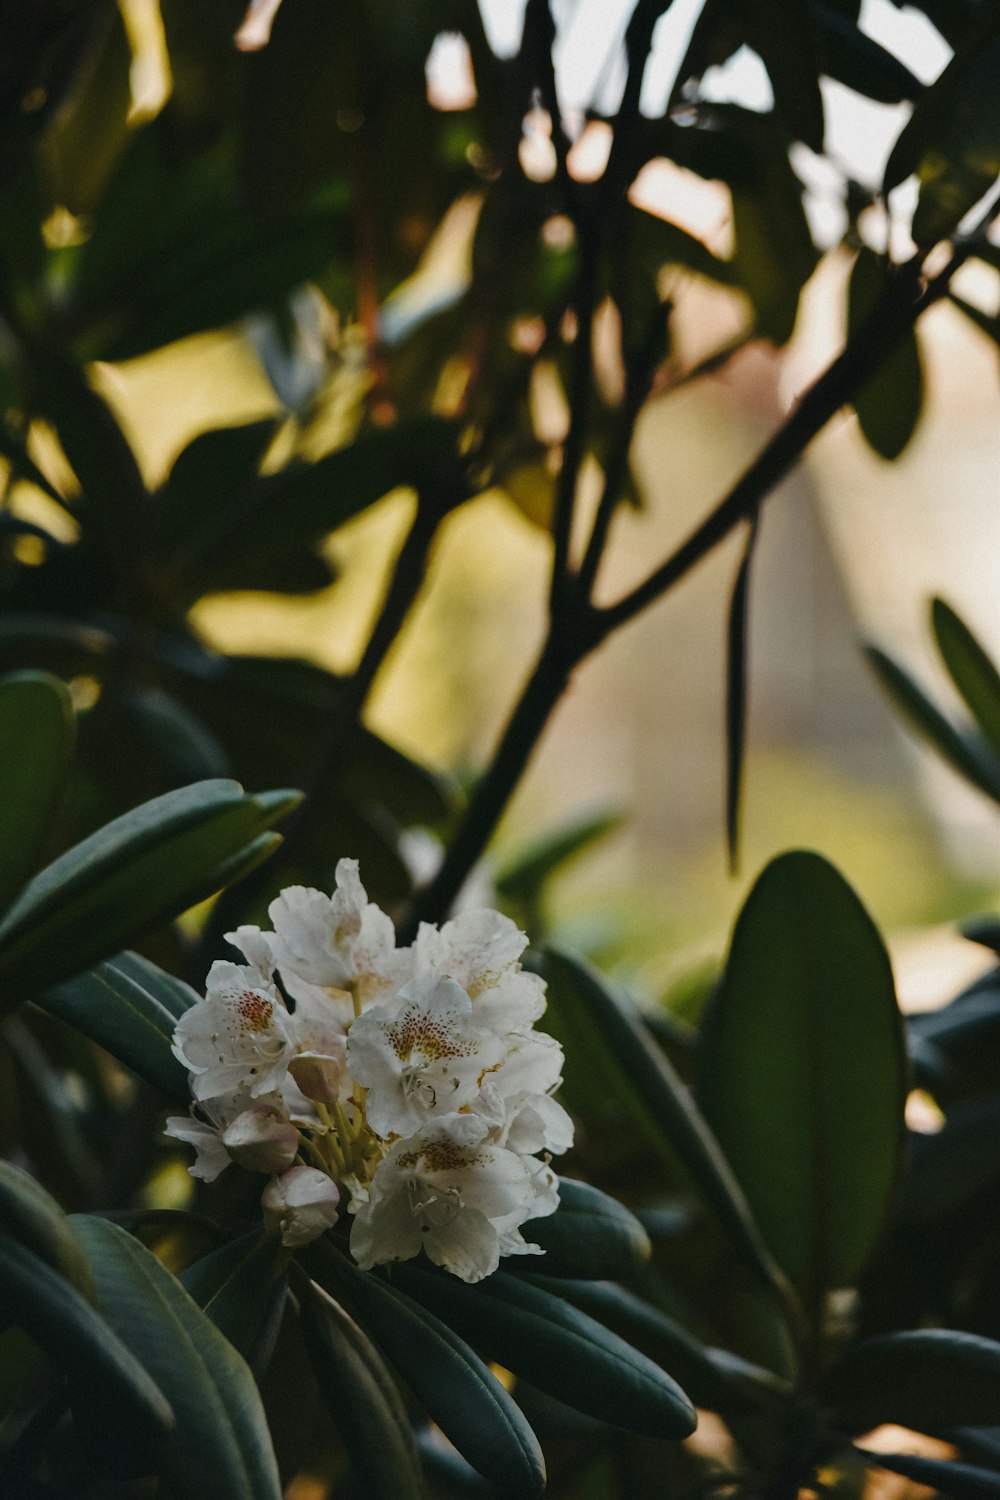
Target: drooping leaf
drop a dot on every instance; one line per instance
(958, 1480)
(119, 1010)
(32, 1216)
(784, 39)
(557, 1348)
(853, 57)
(363, 1400)
(803, 1072)
(952, 139)
(144, 867)
(82, 1342)
(926, 1380)
(456, 1388)
(889, 403)
(964, 750)
(36, 742)
(713, 1378)
(609, 1052)
(222, 1431)
(972, 671)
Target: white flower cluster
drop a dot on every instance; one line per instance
(409, 1079)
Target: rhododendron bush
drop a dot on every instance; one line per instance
(330, 1167)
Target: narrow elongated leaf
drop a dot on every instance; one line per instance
(965, 752)
(961, 1481)
(241, 1285)
(783, 38)
(142, 868)
(714, 1379)
(558, 1348)
(81, 1342)
(452, 1383)
(589, 1236)
(889, 403)
(124, 1015)
(972, 671)
(527, 871)
(37, 728)
(925, 1380)
(363, 1400)
(221, 462)
(853, 57)
(622, 1060)
(736, 692)
(803, 1071)
(32, 1216)
(223, 1442)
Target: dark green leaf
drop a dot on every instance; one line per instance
(960, 1481)
(972, 671)
(32, 1216)
(36, 742)
(952, 139)
(241, 1285)
(141, 869)
(783, 38)
(79, 1340)
(989, 323)
(984, 930)
(452, 1383)
(925, 1380)
(851, 56)
(589, 1236)
(209, 475)
(965, 751)
(117, 1009)
(222, 1431)
(951, 1165)
(889, 402)
(803, 1071)
(713, 1378)
(557, 1348)
(736, 693)
(363, 1400)
(180, 742)
(612, 1055)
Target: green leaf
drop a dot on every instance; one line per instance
(961, 1481)
(925, 1380)
(782, 36)
(851, 56)
(221, 1428)
(889, 403)
(80, 1341)
(972, 671)
(713, 1378)
(32, 1216)
(37, 728)
(952, 139)
(554, 1346)
(524, 874)
(116, 1005)
(241, 1285)
(214, 468)
(144, 867)
(363, 1400)
(803, 1071)
(589, 1236)
(949, 1167)
(964, 750)
(609, 1053)
(452, 1383)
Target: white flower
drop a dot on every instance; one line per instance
(480, 951)
(536, 1122)
(426, 1055)
(449, 1191)
(300, 1204)
(211, 1156)
(337, 944)
(236, 1039)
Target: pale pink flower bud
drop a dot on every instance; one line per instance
(300, 1205)
(317, 1076)
(260, 1140)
